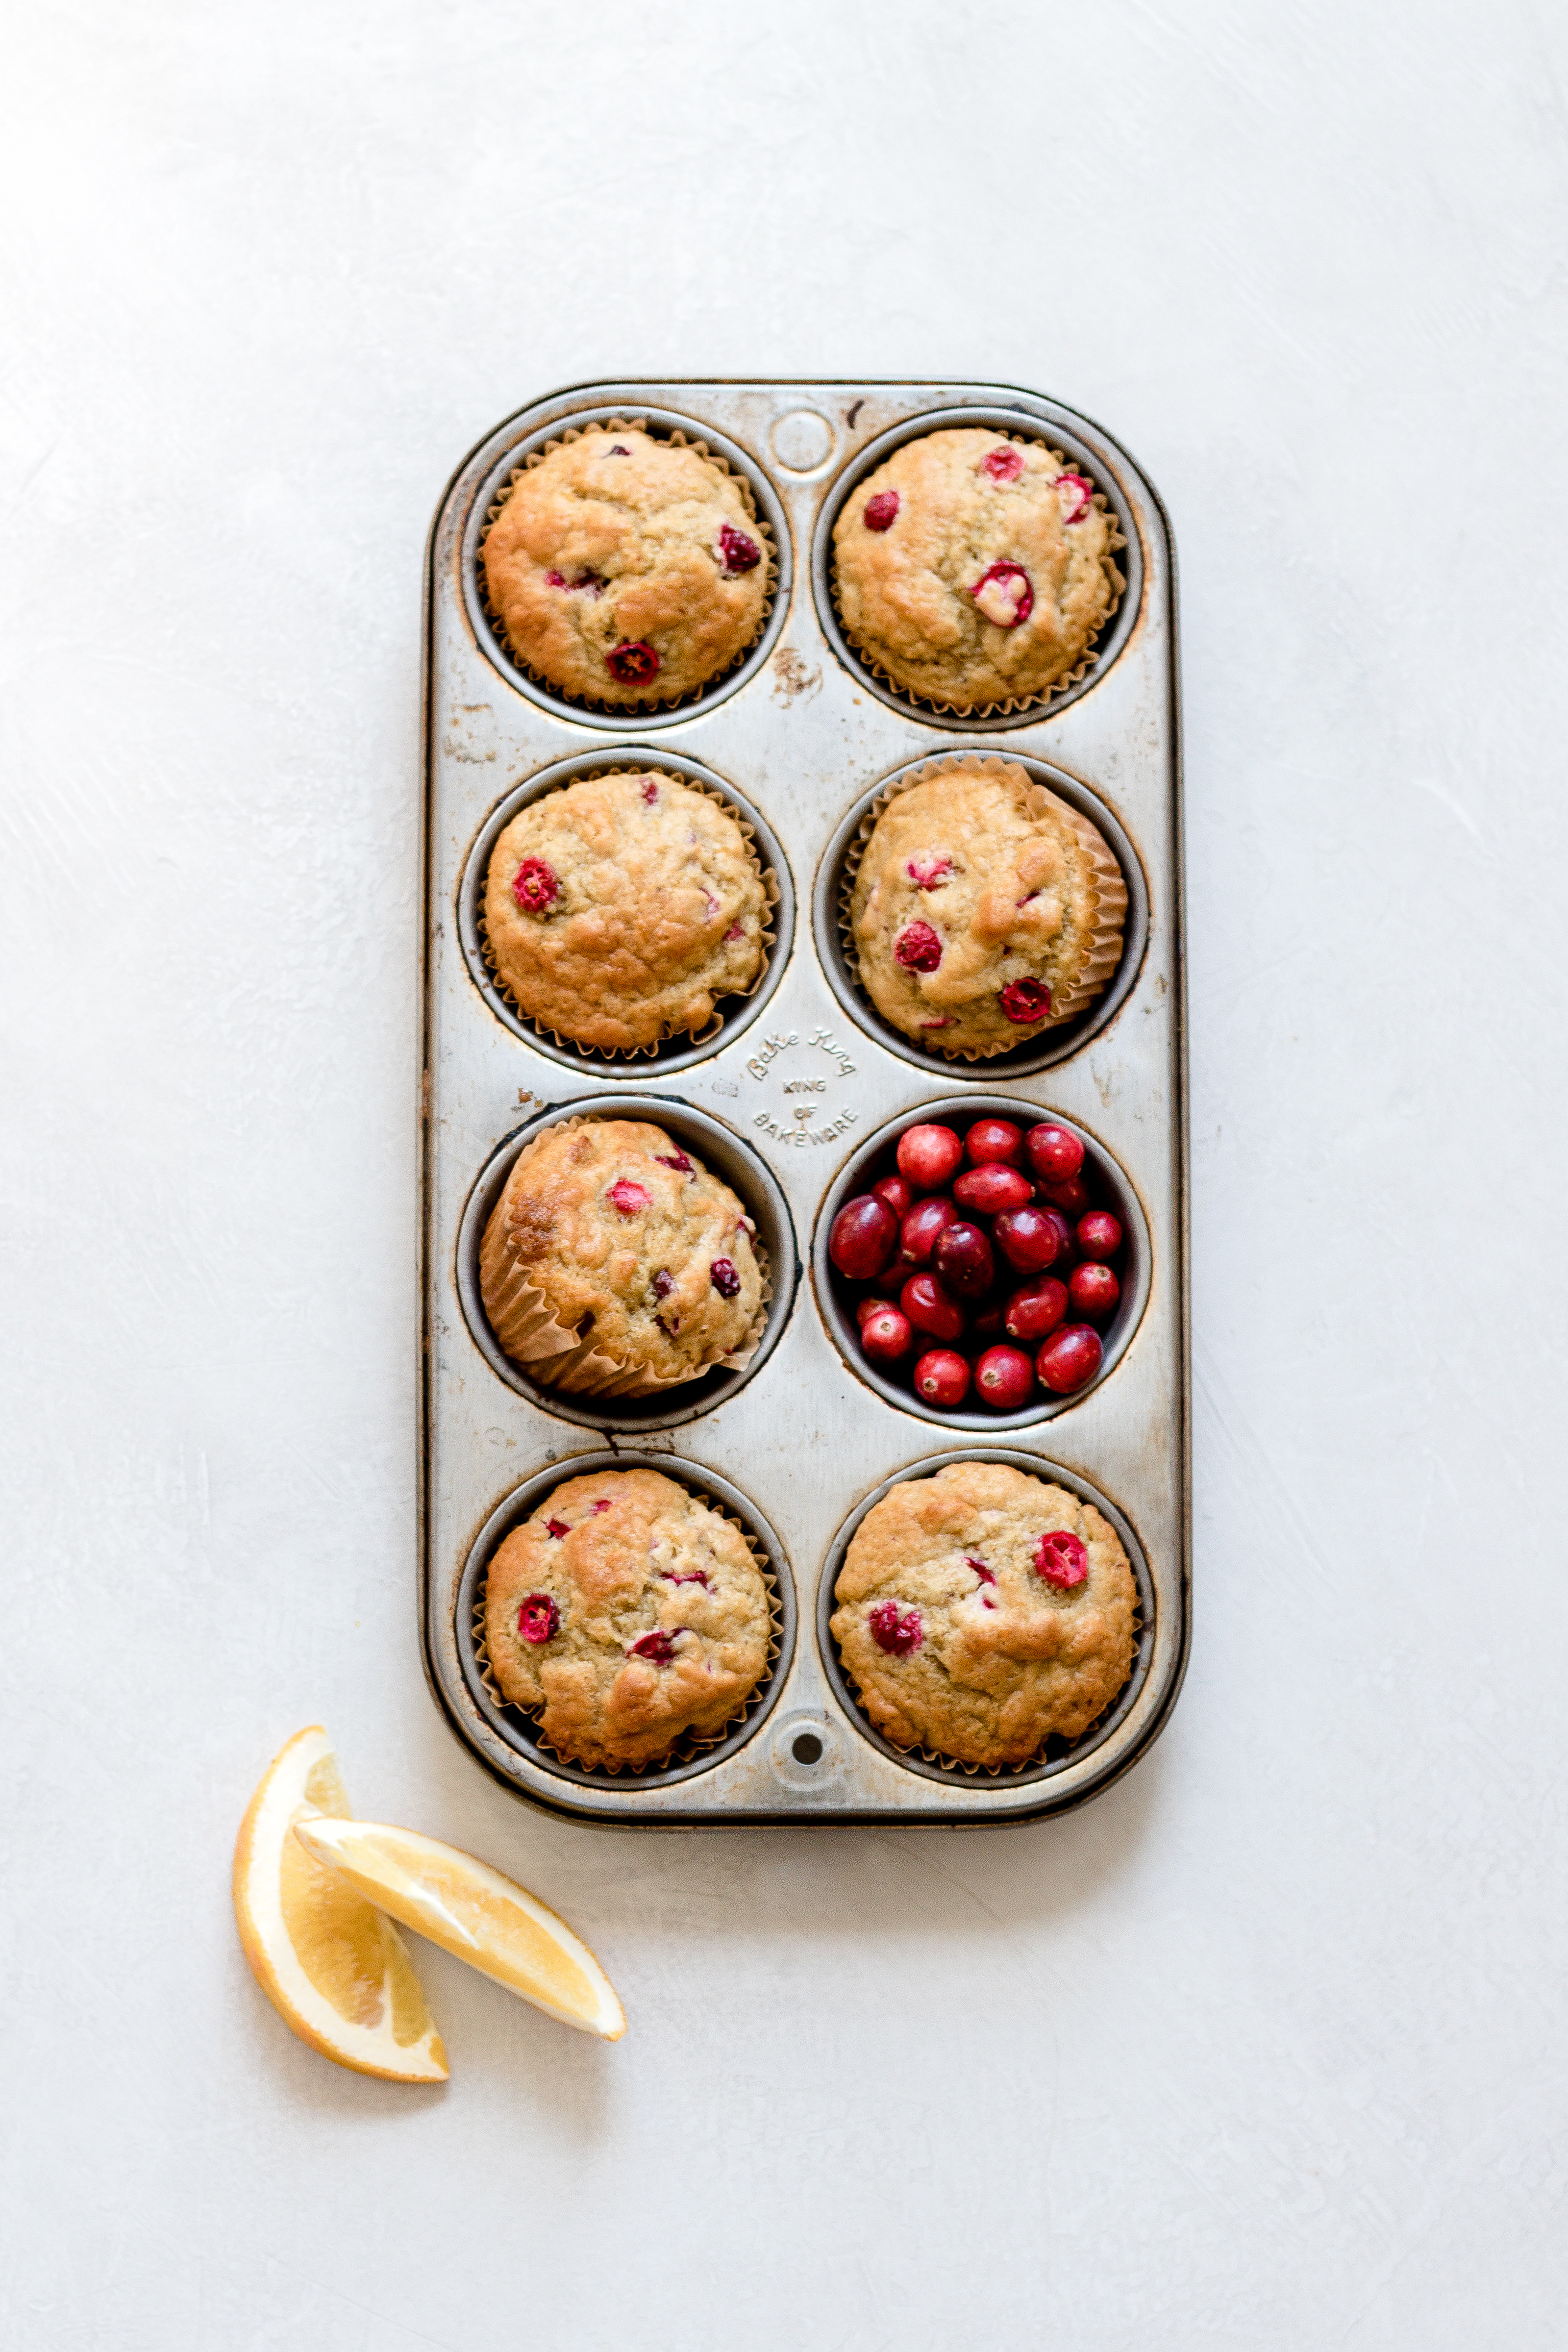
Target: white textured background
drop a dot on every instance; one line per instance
(1266, 2048)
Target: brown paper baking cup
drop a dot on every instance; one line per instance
(526, 1328)
(1105, 953)
(765, 875)
(680, 440)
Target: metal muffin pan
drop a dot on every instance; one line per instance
(782, 1100)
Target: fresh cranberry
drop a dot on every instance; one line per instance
(1033, 1313)
(1055, 1153)
(539, 1619)
(1094, 1291)
(985, 1574)
(633, 661)
(931, 1308)
(1003, 464)
(921, 1229)
(963, 1261)
(1069, 1359)
(629, 1198)
(863, 1238)
(992, 1142)
(1099, 1233)
(898, 1191)
(873, 1306)
(988, 1191)
(896, 1634)
(723, 1278)
(675, 1160)
(917, 948)
(1029, 1238)
(1003, 1379)
(928, 1156)
(941, 1378)
(1005, 594)
(1061, 1558)
(657, 1648)
(737, 553)
(1075, 494)
(928, 873)
(882, 512)
(885, 1334)
(1070, 1196)
(1025, 1000)
(558, 1529)
(534, 885)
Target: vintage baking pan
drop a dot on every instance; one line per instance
(787, 1101)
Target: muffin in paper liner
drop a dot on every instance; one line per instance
(1100, 966)
(681, 440)
(1013, 706)
(526, 1328)
(769, 940)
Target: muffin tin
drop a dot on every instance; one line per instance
(789, 1094)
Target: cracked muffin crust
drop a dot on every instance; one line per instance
(627, 1613)
(982, 1610)
(619, 910)
(626, 569)
(631, 1249)
(974, 569)
(986, 910)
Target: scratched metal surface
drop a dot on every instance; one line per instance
(802, 736)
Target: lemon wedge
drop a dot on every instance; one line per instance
(472, 1911)
(333, 1969)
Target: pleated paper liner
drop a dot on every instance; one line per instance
(765, 875)
(1105, 955)
(628, 710)
(691, 1744)
(1014, 704)
(526, 1328)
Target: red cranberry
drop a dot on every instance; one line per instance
(1099, 1233)
(898, 1191)
(931, 1308)
(1054, 1153)
(619, 449)
(675, 1160)
(1075, 494)
(629, 1198)
(1071, 1195)
(534, 885)
(989, 1189)
(1069, 1359)
(873, 1306)
(1033, 1313)
(896, 1634)
(943, 1021)
(963, 1261)
(633, 661)
(992, 1142)
(539, 1619)
(917, 948)
(922, 1227)
(558, 1529)
(1025, 1000)
(1005, 594)
(1003, 1379)
(928, 873)
(941, 1378)
(1061, 1559)
(886, 1335)
(928, 1156)
(735, 931)
(651, 792)
(882, 512)
(657, 1648)
(1003, 464)
(663, 1284)
(1094, 1291)
(737, 553)
(604, 1504)
(687, 1576)
(723, 1278)
(985, 1575)
(1030, 1238)
(864, 1237)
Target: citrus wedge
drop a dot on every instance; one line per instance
(332, 1968)
(472, 1911)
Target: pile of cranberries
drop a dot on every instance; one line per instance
(984, 1263)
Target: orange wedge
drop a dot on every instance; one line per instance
(332, 1968)
(472, 1911)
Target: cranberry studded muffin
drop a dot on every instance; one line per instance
(626, 1613)
(626, 569)
(619, 910)
(974, 569)
(614, 1263)
(980, 1611)
(986, 910)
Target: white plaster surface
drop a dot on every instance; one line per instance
(1266, 2048)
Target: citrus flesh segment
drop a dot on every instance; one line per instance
(331, 1965)
(471, 1911)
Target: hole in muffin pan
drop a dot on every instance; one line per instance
(517, 1727)
(1039, 1053)
(1057, 1753)
(836, 1298)
(1024, 424)
(736, 1012)
(726, 1156)
(661, 424)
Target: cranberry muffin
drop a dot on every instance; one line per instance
(619, 910)
(614, 1262)
(982, 1610)
(974, 569)
(625, 1614)
(984, 910)
(625, 569)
